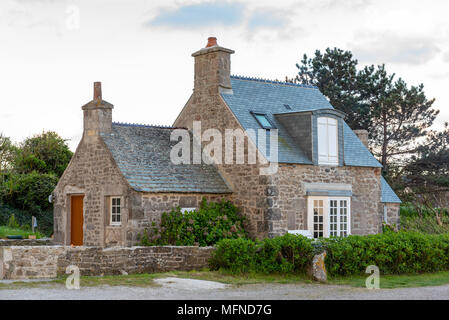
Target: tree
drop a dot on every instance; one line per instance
(6, 152)
(335, 74)
(395, 115)
(46, 153)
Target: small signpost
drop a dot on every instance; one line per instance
(33, 223)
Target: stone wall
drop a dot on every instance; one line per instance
(288, 196)
(393, 210)
(25, 242)
(207, 106)
(91, 172)
(146, 208)
(51, 261)
(26, 262)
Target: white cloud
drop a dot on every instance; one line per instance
(387, 47)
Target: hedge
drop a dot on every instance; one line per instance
(393, 253)
(287, 254)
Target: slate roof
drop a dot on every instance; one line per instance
(142, 154)
(266, 96)
(269, 97)
(388, 195)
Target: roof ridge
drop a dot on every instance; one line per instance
(126, 124)
(273, 81)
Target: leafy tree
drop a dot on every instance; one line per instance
(6, 152)
(46, 153)
(335, 74)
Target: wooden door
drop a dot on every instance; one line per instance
(76, 227)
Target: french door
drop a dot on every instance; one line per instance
(329, 217)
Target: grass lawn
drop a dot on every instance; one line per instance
(146, 280)
(6, 231)
(398, 281)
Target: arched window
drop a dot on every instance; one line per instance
(327, 141)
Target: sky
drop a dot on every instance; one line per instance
(51, 51)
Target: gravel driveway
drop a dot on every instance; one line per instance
(187, 289)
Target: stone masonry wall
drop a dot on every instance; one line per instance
(393, 217)
(288, 196)
(25, 242)
(26, 262)
(146, 208)
(51, 261)
(93, 173)
(249, 188)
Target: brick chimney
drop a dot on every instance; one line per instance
(212, 68)
(97, 114)
(363, 136)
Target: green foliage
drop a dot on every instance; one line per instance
(7, 231)
(23, 218)
(26, 195)
(205, 226)
(393, 252)
(28, 191)
(286, 254)
(12, 222)
(46, 153)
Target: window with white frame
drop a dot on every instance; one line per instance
(116, 213)
(327, 141)
(329, 217)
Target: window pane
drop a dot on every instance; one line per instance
(263, 121)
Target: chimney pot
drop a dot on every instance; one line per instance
(211, 41)
(97, 91)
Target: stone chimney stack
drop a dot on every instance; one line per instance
(97, 114)
(363, 136)
(212, 68)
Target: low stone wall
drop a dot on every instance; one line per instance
(27, 262)
(25, 242)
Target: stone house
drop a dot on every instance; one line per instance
(326, 183)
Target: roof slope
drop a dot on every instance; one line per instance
(388, 195)
(269, 97)
(142, 154)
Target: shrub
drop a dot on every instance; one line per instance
(235, 255)
(12, 222)
(206, 226)
(393, 252)
(286, 254)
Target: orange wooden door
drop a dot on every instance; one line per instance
(76, 228)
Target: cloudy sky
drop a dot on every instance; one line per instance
(51, 51)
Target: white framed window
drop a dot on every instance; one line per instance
(329, 216)
(327, 141)
(116, 211)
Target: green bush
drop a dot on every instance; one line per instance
(26, 195)
(204, 227)
(286, 254)
(393, 253)
(12, 222)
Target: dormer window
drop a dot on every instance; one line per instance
(327, 141)
(263, 121)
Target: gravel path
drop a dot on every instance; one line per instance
(186, 289)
